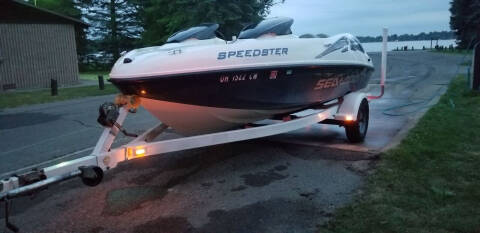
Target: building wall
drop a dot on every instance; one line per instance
(32, 54)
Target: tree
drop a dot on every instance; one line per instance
(115, 25)
(162, 18)
(465, 21)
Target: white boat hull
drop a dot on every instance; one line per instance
(192, 119)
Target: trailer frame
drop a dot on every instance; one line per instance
(104, 158)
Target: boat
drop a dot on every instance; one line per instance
(198, 82)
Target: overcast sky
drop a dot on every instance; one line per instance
(365, 17)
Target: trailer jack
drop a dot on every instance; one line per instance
(108, 115)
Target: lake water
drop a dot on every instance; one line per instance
(377, 46)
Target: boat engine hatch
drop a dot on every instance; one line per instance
(203, 31)
(278, 26)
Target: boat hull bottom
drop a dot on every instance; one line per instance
(194, 120)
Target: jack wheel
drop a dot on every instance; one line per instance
(357, 130)
(91, 175)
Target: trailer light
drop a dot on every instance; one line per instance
(348, 118)
(136, 152)
(140, 152)
(143, 92)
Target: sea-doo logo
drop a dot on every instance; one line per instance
(331, 82)
(253, 53)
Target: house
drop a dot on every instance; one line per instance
(36, 45)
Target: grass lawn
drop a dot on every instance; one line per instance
(93, 75)
(15, 99)
(431, 181)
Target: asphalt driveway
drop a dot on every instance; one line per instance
(287, 183)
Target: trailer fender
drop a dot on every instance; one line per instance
(349, 106)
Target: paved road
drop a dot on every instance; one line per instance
(255, 186)
(30, 135)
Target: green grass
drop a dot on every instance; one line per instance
(466, 63)
(15, 99)
(431, 181)
(93, 75)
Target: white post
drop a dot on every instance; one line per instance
(384, 57)
(383, 66)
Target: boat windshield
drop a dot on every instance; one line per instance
(277, 26)
(356, 45)
(201, 32)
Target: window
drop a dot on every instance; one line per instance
(356, 46)
(341, 43)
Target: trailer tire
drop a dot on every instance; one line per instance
(357, 130)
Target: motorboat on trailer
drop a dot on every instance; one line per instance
(199, 83)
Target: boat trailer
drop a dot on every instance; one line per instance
(91, 168)
(350, 111)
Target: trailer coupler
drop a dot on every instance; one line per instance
(35, 181)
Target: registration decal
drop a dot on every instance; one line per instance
(238, 77)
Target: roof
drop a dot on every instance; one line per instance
(19, 11)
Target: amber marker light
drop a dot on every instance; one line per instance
(348, 118)
(136, 152)
(140, 152)
(143, 92)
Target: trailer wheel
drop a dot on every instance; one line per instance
(91, 175)
(357, 130)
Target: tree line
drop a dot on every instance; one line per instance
(443, 35)
(122, 25)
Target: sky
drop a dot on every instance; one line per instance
(365, 17)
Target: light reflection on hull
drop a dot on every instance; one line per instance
(192, 120)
